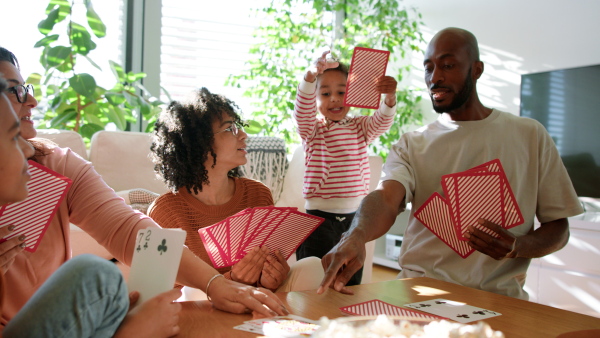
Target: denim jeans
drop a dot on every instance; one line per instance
(85, 297)
(325, 237)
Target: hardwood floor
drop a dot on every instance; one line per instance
(383, 273)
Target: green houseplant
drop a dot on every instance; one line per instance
(290, 41)
(72, 99)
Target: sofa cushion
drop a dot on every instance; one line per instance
(65, 139)
(122, 158)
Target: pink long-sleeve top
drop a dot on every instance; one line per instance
(337, 174)
(91, 205)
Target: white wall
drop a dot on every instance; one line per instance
(515, 37)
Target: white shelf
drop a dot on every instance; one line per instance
(384, 261)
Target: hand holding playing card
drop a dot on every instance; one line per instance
(387, 85)
(157, 317)
(248, 269)
(497, 248)
(9, 249)
(275, 271)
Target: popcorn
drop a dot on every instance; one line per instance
(384, 327)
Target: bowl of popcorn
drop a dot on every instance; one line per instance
(383, 326)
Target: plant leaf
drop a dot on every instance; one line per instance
(84, 84)
(46, 41)
(63, 118)
(45, 26)
(116, 116)
(117, 70)
(89, 129)
(81, 39)
(57, 56)
(98, 27)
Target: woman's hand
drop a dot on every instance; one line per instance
(248, 269)
(234, 297)
(157, 317)
(11, 248)
(274, 272)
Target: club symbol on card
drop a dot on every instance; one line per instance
(163, 246)
(463, 316)
(479, 313)
(439, 302)
(424, 305)
(139, 248)
(146, 245)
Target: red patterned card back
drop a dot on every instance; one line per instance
(31, 217)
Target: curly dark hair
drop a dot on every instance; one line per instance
(183, 139)
(342, 67)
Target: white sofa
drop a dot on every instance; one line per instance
(122, 160)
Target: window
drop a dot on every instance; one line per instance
(202, 44)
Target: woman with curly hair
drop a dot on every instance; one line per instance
(197, 149)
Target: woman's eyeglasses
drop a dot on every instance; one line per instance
(234, 129)
(21, 92)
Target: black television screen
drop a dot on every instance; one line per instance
(567, 103)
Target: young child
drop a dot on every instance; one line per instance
(337, 174)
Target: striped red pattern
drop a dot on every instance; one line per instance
(474, 196)
(284, 229)
(377, 307)
(367, 65)
(435, 215)
(337, 160)
(32, 216)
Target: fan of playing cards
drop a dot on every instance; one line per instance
(31, 217)
(480, 192)
(228, 241)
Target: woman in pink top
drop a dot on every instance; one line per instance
(93, 206)
(87, 296)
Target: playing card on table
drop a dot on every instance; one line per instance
(457, 311)
(155, 261)
(435, 215)
(377, 307)
(280, 326)
(31, 217)
(366, 67)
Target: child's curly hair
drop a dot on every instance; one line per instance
(342, 67)
(183, 139)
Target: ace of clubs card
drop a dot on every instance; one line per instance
(155, 261)
(457, 311)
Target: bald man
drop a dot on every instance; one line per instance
(466, 134)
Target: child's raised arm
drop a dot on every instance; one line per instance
(387, 85)
(320, 65)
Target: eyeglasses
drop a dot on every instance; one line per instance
(21, 92)
(234, 128)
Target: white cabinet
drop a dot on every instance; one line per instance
(569, 279)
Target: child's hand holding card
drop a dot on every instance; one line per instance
(155, 262)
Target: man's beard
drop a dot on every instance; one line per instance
(459, 100)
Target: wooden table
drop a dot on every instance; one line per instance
(519, 318)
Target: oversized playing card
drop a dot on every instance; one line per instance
(435, 215)
(291, 232)
(270, 222)
(31, 217)
(512, 213)
(366, 67)
(472, 196)
(377, 307)
(155, 261)
(237, 225)
(457, 311)
(215, 239)
(261, 217)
